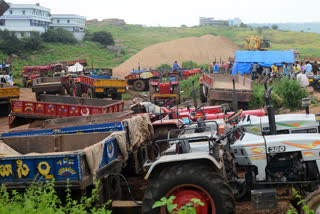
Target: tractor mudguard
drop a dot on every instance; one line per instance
(171, 159)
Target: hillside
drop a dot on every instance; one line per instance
(133, 38)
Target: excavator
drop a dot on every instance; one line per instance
(254, 43)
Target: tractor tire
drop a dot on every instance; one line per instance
(62, 91)
(203, 91)
(76, 90)
(109, 189)
(38, 96)
(139, 85)
(180, 180)
(91, 93)
(116, 96)
(313, 202)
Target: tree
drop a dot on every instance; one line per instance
(104, 38)
(275, 27)
(10, 43)
(34, 42)
(59, 35)
(243, 25)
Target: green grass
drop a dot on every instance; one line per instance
(134, 38)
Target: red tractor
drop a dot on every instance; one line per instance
(166, 92)
(32, 72)
(140, 81)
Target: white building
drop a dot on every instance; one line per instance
(205, 21)
(235, 22)
(70, 22)
(25, 18)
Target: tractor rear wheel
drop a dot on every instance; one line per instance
(90, 93)
(38, 96)
(116, 96)
(313, 202)
(203, 91)
(180, 180)
(139, 85)
(76, 90)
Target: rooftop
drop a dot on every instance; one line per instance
(74, 16)
(26, 6)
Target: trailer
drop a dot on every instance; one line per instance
(47, 85)
(52, 106)
(220, 87)
(7, 93)
(77, 158)
(140, 81)
(96, 86)
(185, 74)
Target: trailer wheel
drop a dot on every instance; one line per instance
(109, 189)
(62, 91)
(180, 180)
(313, 202)
(116, 96)
(76, 90)
(203, 91)
(90, 93)
(139, 85)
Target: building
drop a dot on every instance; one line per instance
(235, 22)
(204, 21)
(73, 23)
(25, 18)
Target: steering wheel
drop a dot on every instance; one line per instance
(233, 116)
(228, 134)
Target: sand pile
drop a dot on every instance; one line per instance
(198, 49)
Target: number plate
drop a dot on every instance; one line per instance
(121, 90)
(276, 149)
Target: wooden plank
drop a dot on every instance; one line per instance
(125, 204)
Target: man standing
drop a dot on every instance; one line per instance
(254, 70)
(315, 68)
(286, 70)
(215, 67)
(308, 68)
(274, 68)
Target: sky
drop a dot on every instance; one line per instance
(186, 12)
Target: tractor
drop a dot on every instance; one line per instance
(165, 91)
(202, 163)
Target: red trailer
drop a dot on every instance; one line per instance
(185, 73)
(52, 106)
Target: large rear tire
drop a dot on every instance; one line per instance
(203, 91)
(139, 85)
(313, 202)
(180, 180)
(76, 89)
(116, 96)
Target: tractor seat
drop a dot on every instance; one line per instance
(183, 147)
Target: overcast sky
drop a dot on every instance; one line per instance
(187, 12)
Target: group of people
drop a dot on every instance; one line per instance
(297, 70)
(216, 68)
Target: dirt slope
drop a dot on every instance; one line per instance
(202, 49)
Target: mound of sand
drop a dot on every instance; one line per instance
(201, 50)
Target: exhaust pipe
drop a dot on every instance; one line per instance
(271, 113)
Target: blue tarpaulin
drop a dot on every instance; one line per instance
(244, 59)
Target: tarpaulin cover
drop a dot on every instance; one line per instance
(244, 59)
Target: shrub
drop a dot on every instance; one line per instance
(34, 42)
(164, 66)
(189, 64)
(59, 35)
(10, 43)
(104, 38)
(188, 208)
(186, 86)
(41, 197)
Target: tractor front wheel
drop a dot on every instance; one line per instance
(203, 91)
(313, 202)
(76, 90)
(180, 180)
(91, 93)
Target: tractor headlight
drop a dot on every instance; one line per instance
(306, 102)
(157, 89)
(171, 88)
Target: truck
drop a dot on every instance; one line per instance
(7, 94)
(47, 85)
(225, 88)
(140, 81)
(76, 159)
(51, 106)
(96, 86)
